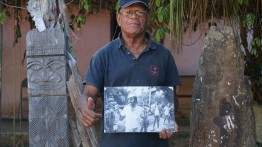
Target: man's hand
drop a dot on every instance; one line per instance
(89, 116)
(166, 133)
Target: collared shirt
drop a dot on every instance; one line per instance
(113, 65)
(132, 116)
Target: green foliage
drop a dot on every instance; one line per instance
(249, 20)
(80, 21)
(160, 34)
(158, 3)
(3, 17)
(117, 4)
(79, 18)
(160, 17)
(256, 46)
(86, 5)
(162, 14)
(251, 24)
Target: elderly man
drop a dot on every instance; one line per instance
(133, 59)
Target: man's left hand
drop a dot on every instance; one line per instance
(166, 133)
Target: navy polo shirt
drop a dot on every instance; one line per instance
(113, 65)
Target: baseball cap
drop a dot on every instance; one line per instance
(126, 3)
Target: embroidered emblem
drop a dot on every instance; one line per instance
(154, 70)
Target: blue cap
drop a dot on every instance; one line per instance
(126, 3)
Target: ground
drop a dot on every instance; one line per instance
(16, 133)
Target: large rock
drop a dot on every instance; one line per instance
(221, 112)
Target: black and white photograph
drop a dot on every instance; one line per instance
(138, 109)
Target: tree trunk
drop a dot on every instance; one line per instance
(75, 87)
(221, 112)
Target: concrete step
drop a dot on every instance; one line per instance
(14, 133)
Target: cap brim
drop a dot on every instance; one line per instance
(131, 3)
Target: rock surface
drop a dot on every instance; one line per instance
(221, 112)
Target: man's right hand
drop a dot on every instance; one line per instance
(89, 116)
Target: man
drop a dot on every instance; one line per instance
(145, 120)
(167, 113)
(156, 115)
(110, 116)
(131, 113)
(133, 59)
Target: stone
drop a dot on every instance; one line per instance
(221, 111)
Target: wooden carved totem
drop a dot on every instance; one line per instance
(46, 73)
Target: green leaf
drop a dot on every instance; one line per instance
(80, 21)
(249, 20)
(254, 51)
(160, 34)
(158, 2)
(87, 8)
(86, 5)
(157, 36)
(3, 17)
(255, 44)
(160, 17)
(165, 12)
(162, 14)
(117, 4)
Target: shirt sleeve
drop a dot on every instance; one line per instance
(95, 72)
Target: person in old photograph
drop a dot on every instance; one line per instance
(131, 113)
(156, 110)
(110, 116)
(167, 113)
(144, 119)
(117, 122)
(133, 59)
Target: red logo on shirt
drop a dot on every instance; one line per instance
(154, 70)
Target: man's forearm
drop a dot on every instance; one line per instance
(89, 91)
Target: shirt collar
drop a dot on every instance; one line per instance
(148, 36)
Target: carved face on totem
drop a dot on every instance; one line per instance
(46, 73)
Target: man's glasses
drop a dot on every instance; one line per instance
(129, 14)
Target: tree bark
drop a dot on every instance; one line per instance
(221, 112)
(75, 87)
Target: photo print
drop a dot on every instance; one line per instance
(138, 109)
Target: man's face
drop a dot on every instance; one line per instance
(131, 100)
(133, 19)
